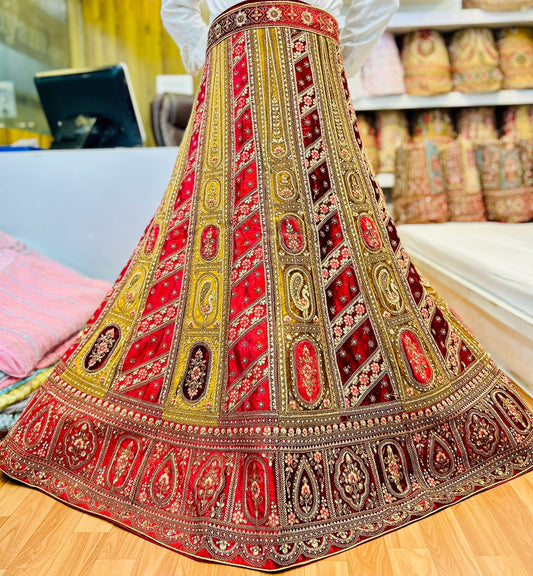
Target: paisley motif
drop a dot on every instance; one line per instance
(131, 292)
(209, 242)
(102, 348)
(420, 366)
(388, 291)
(284, 186)
(305, 492)
(36, 428)
(206, 301)
(441, 459)
(355, 185)
(256, 490)
(306, 373)
(151, 238)
(369, 233)
(164, 481)
(352, 478)
(481, 432)
(512, 410)
(80, 443)
(194, 383)
(121, 464)
(291, 233)
(212, 196)
(209, 483)
(300, 289)
(394, 465)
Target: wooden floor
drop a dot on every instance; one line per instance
(490, 534)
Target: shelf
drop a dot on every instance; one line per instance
(407, 20)
(449, 100)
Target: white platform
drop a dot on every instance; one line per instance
(84, 208)
(485, 273)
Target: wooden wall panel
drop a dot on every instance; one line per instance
(130, 31)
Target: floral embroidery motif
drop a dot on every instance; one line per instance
(164, 481)
(80, 443)
(418, 361)
(355, 185)
(196, 373)
(151, 239)
(256, 494)
(352, 479)
(306, 373)
(512, 410)
(212, 196)
(285, 188)
(122, 460)
(482, 433)
(291, 233)
(209, 483)
(305, 492)
(102, 348)
(36, 428)
(441, 458)
(394, 467)
(209, 243)
(369, 233)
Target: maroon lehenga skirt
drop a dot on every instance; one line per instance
(270, 381)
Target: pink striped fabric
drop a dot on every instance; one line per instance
(42, 304)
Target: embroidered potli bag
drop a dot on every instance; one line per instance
(506, 195)
(433, 124)
(498, 5)
(518, 122)
(475, 62)
(426, 63)
(367, 132)
(516, 57)
(383, 70)
(419, 194)
(463, 185)
(477, 124)
(393, 132)
(270, 381)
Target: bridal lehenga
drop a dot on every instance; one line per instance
(270, 381)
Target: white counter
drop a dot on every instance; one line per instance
(84, 208)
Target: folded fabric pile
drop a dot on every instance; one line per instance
(43, 306)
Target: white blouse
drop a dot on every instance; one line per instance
(365, 22)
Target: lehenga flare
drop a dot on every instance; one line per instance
(270, 381)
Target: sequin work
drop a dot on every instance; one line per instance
(270, 381)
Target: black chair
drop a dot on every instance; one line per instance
(170, 115)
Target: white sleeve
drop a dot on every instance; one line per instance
(366, 21)
(184, 22)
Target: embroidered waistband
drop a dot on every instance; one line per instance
(270, 14)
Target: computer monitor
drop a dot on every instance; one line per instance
(91, 108)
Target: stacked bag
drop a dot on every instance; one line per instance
(468, 176)
(471, 60)
(43, 306)
(442, 174)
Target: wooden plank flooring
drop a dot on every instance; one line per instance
(490, 534)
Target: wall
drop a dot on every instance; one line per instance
(34, 36)
(130, 31)
(45, 34)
